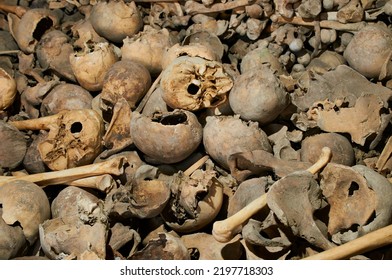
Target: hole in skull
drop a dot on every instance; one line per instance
(353, 187)
(1, 206)
(173, 119)
(42, 26)
(17, 224)
(76, 127)
(193, 89)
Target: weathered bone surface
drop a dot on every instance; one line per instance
(374, 197)
(269, 234)
(165, 247)
(114, 166)
(26, 204)
(257, 162)
(294, 199)
(210, 249)
(366, 118)
(74, 138)
(14, 146)
(186, 211)
(121, 236)
(224, 230)
(143, 197)
(227, 135)
(167, 138)
(352, 200)
(342, 83)
(193, 83)
(118, 134)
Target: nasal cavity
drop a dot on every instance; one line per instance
(193, 89)
(76, 127)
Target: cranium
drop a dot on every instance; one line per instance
(193, 83)
(74, 137)
(360, 200)
(78, 229)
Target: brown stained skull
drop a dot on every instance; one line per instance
(193, 83)
(74, 138)
(353, 202)
(360, 200)
(294, 199)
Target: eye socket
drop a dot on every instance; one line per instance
(76, 127)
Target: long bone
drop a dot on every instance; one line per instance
(113, 166)
(371, 241)
(224, 230)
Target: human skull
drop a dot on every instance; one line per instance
(193, 83)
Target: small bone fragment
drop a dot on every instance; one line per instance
(113, 166)
(224, 230)
(193, 8)
(363, 244)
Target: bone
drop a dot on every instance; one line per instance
(224, 230)
(147, 96)
(385, 156)
(193, 8)
(376, 239)
(42, 123)
(330, 24)
(113, 166)
(255, 162)
(17, 10)
(104, 183)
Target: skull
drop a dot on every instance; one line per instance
(360, 200)
(193, 83)
(74, 138)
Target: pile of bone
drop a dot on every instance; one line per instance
(231, 129)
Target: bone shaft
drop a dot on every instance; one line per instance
(113, 166)
(35, 124)
(324, 158)
(247, 212)
(198, 8)
(368, 242)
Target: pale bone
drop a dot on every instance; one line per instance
(104, 183)
(371, 241)
(113, 166)
(193, 8)
(330, 24)
(225, 229)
